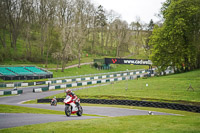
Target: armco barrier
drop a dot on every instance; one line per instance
(104, 75)
(85, 78)
(128, 76)
(134, 103)
(14, 92)
(87, 83)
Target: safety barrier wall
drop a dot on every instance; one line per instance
(134, 103)
(85, 83)
(127, 76)
(73, 79)
(13, 92)
(102, 76)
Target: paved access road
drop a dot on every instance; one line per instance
(8, 120)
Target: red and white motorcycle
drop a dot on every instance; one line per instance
(54, 102)
(71, 107)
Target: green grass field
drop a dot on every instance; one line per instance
(87, 69)
(18, 109)
(186, 122)
(170, 88)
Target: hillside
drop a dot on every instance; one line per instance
(170, 88)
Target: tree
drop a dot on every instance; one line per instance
(160, 49)
(149, 29)
(137, 40)
(65, 15)
(101, 23)
(3, 22)
(111, 17)
(175, 43)
(29, 15)
(3, 29)
(121, 35)
(14, 10)
(65, 27)
(51, 33)
(151, 25)
(80, 28)
(58, 57)
(43, 15)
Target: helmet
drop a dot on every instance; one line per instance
(68, 91)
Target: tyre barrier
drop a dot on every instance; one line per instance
(174, 106)
(14, 92)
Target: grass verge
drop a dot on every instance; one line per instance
(170, 88)
(18, 109)
(125, 124)
(189, 122)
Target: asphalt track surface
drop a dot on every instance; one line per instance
(8, 120)
(16, 119)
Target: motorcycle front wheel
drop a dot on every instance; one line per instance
(67, 110)
(80, 111)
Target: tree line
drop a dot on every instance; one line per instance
(177, 42)
(61, 30)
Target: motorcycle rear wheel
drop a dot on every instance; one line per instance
(67, 110)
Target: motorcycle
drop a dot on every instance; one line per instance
(53, 102)
(72, 107)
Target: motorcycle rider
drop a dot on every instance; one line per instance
(54, 101)
(71, 94)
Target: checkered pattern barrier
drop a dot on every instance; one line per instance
(126, 76)
(92, 82)
(11, 92)
(73, 80)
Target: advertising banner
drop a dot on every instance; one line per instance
(127, 61)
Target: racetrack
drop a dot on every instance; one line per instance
(8, 120)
